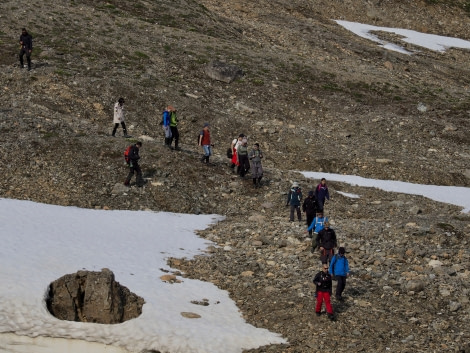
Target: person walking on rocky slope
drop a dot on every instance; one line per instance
(119, 117)
(205, 143)
(26, 43)
(234, 145)
(134, 165)
(322, 194)
(318, 223)
(339, 268)
(310, 208)
(166, 125)
(326, 242)
(242, 152)
(324, 285)
(175, 135)
(255, 156)
(294, 198)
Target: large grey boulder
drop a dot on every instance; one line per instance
(224, 72)
(88, 296)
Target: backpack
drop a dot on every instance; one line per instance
(126, 154)
(198, 136)
(229, 150)
(333, 264)
(295, 192)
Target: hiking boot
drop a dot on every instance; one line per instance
(178, 148)
(126, 183)
(331, 317)
(318, 313)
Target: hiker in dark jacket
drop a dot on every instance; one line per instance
(326, 241)
(134, 165)
(321, 193)
(324, 286)
(310, 208)
(294, 199)
(255, 156)
(26, 42)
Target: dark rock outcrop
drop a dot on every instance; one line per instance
(88, 296)
(220, 71)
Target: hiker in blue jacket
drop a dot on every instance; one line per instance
(321, 193)
(318, 223)
(339, 268)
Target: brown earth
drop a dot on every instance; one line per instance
(315, 96)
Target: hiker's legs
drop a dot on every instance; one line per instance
(310, 216)
(326, 298)
(175, 135)
(319, 301)
(22, 52)
(299, 213)
(123, 124)
(207, 153)
(115, 128)
(139, 179)
(28, 59)
(291, 218)
(340, 285)
(129, 176)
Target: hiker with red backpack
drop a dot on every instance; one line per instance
(132, 157)
(234, 147)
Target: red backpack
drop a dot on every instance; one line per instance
(126, 154)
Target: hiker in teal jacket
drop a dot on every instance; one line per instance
(339, 268)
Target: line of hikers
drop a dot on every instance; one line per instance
(334, 266)
(238, 152)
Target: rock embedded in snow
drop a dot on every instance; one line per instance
(88, 296)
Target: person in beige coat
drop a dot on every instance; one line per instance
(119, 117)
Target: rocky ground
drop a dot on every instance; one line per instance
(315, 97)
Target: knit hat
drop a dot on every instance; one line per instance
(341, 250)
(310, 193)
(295, 184)
(206, 124)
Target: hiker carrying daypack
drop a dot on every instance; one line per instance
(339, 269)
(126, 154)
(294, 198)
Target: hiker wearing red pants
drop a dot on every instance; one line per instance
(324, 285)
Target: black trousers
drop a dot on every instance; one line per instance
(310, 216)
(174, 135)
(132, 170)
(295, 209)
(123, 124)
(341, 284)
(24, 51)
(244, 164)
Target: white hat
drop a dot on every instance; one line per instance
(295, 184)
